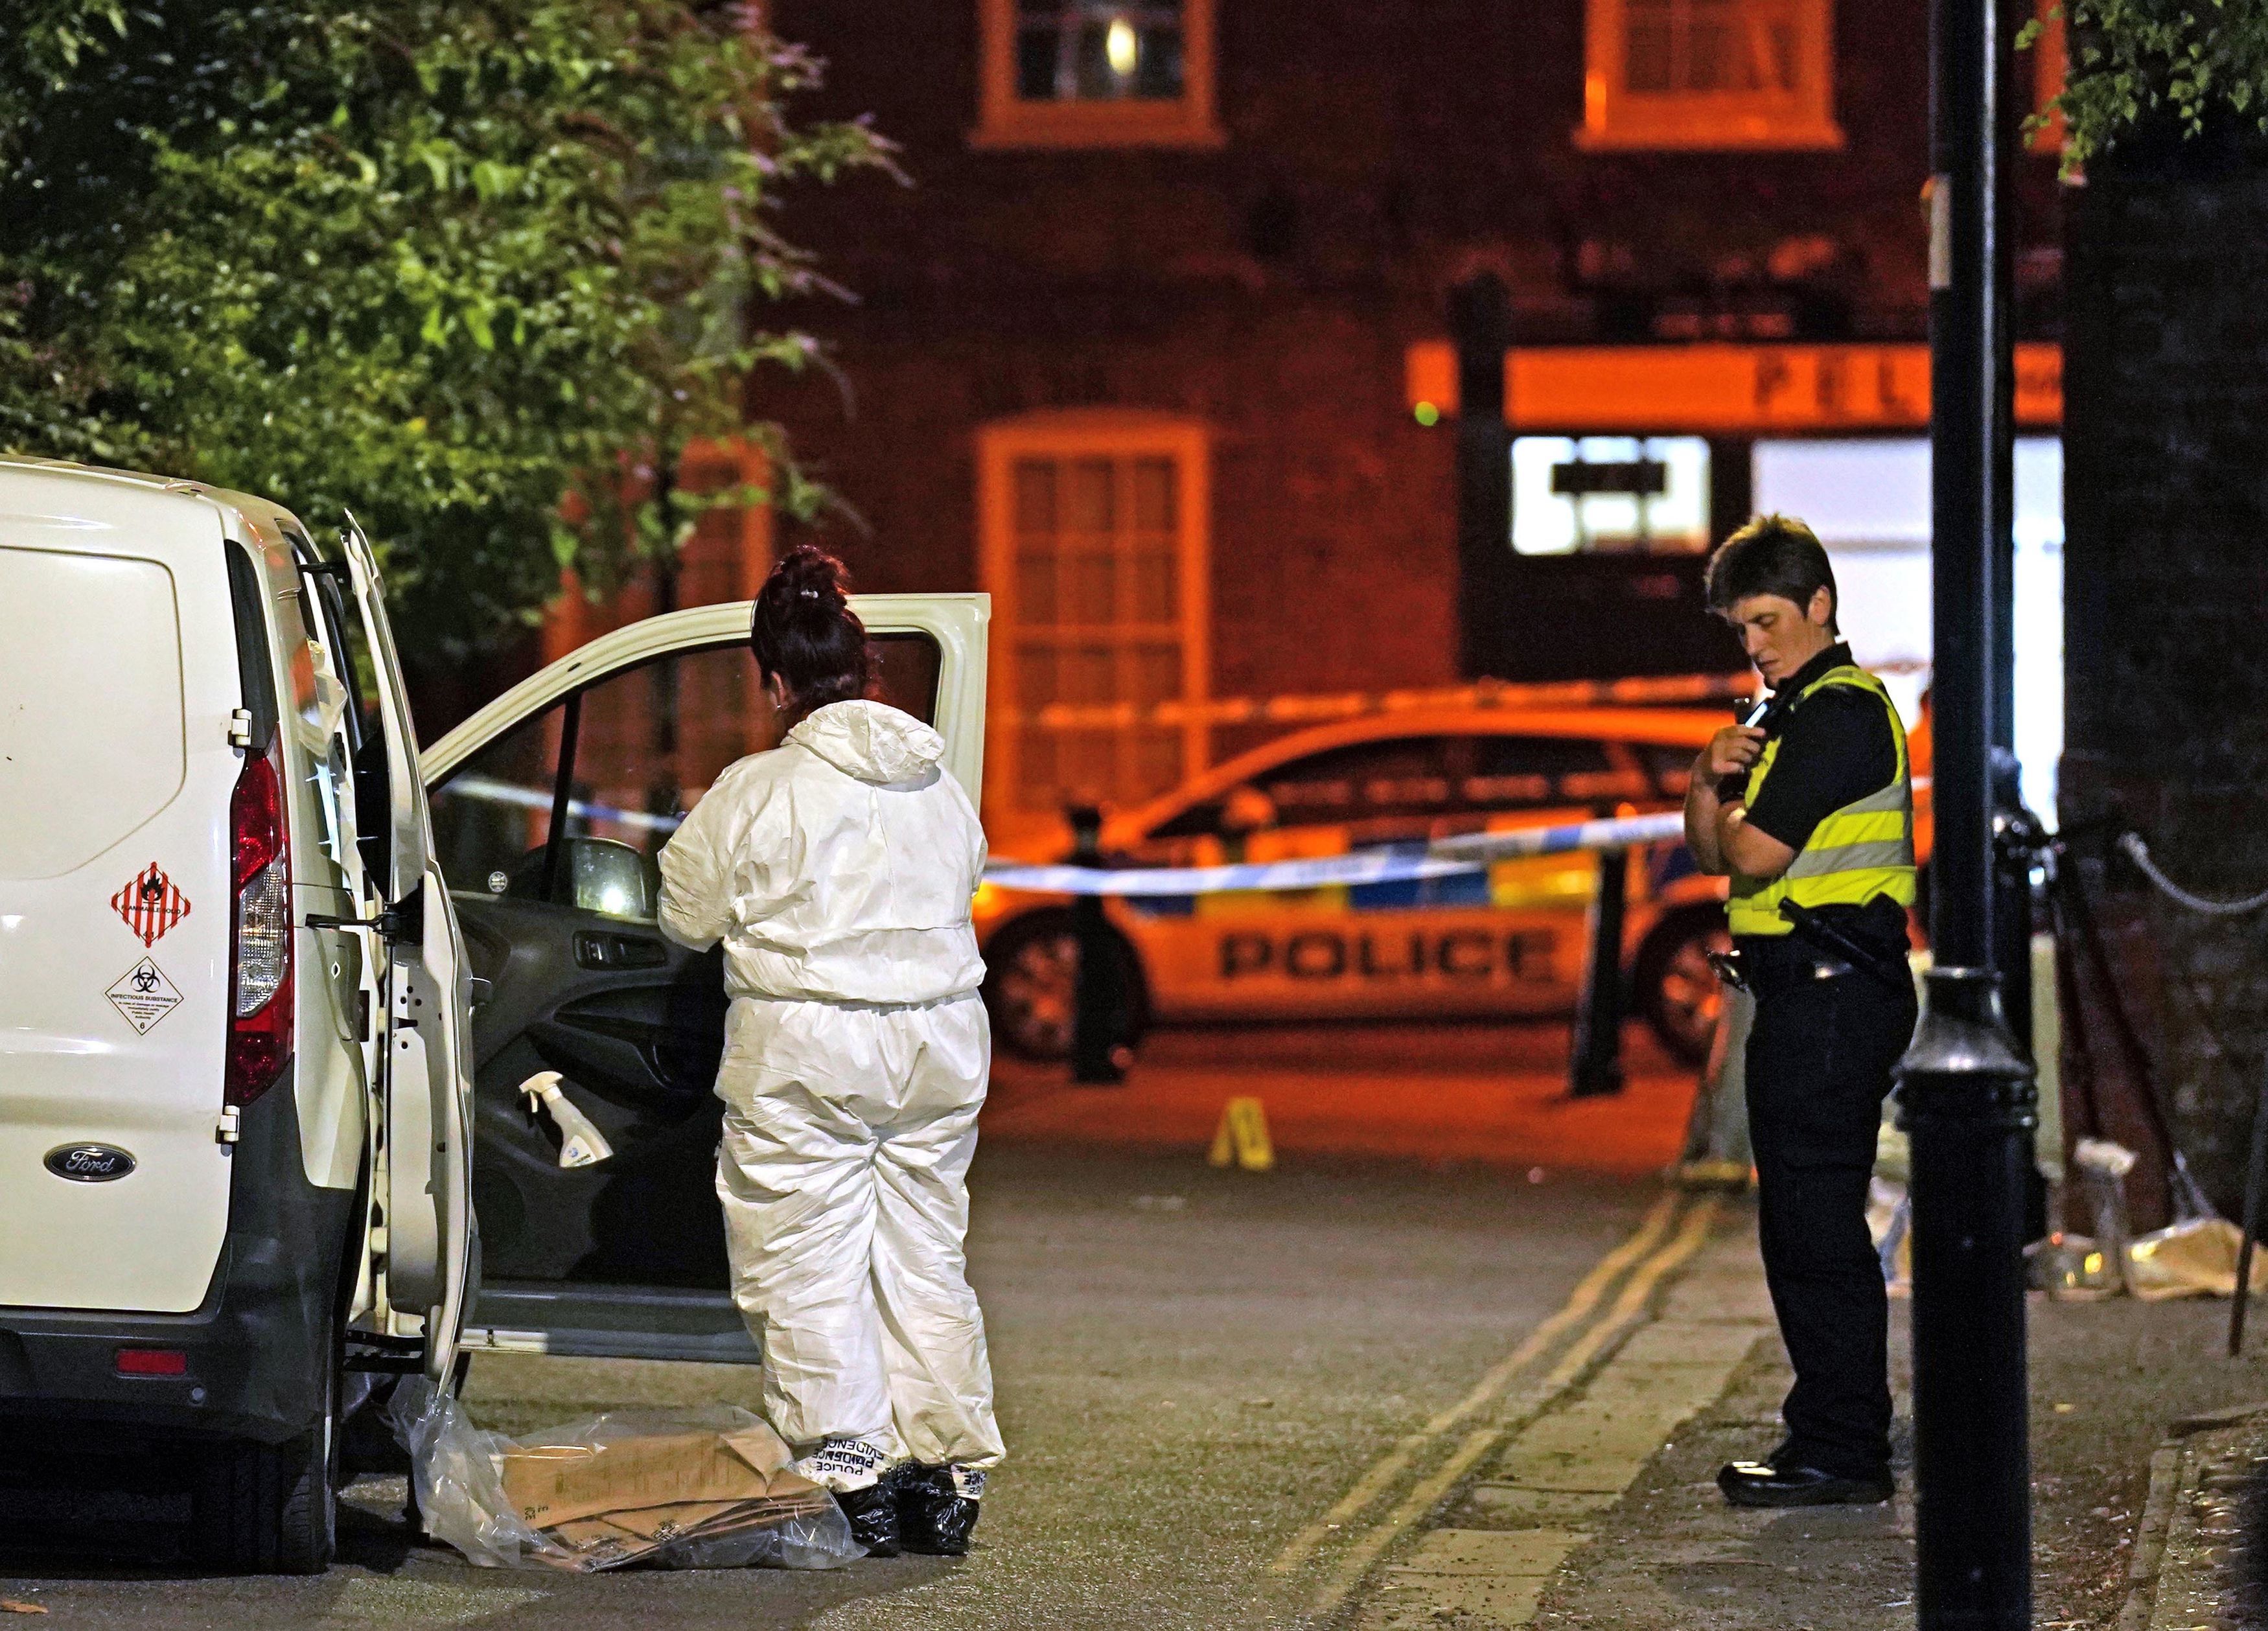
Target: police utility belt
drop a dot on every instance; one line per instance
(1833, 952)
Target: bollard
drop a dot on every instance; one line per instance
(1966, 1096)
(1595, 1063)
(1098, 998)
(1966, 1100)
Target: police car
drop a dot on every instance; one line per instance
(1509, 941)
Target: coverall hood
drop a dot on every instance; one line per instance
(871, 741)
(838, 867)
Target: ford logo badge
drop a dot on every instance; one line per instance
(88, 1164)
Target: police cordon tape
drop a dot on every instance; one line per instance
(1470, 852)
(1317, 708)
(492, 791)
(1389, 864)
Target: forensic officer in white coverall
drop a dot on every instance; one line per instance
(838, 870)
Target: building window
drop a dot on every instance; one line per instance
(1094, 549)
(1097, 73)
(1709, 74)
(1609, 495)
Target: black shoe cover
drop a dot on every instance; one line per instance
(874, 1515)
(934, 1518)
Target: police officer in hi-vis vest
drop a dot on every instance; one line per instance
(1808, 809)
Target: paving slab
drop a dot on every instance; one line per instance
(1678, 1340)
(1521, 1506)
(1451, 1605)
(1490, 1552)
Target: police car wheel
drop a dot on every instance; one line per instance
(1676, 988)
(1031, 982)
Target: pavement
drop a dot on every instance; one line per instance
(1460, 1362)
(2150, 1479)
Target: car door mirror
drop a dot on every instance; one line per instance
(609, 877)
(599, 875)
(1248, 810)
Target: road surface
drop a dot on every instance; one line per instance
(1193, 1367)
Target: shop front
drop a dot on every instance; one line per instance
(1629, 462)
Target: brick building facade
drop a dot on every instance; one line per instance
(1141, 352)
(2168, 653)
(1164, 359)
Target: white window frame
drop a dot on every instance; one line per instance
(1006, 119)
(1061, 436)
(1614, 117)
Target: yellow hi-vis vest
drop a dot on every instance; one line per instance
(1862, 850)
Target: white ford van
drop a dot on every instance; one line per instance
(264, 1011)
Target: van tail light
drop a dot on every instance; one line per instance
(260, 937)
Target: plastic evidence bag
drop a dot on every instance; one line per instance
(708, 1488)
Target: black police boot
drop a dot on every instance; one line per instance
(874, 1515)
(937, 1509)
(1769, 1483)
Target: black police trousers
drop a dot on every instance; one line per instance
(1820, 1055)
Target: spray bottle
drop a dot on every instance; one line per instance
(580, 1143)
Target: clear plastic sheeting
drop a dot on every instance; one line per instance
(2071, 1267)
(1890, 1220)
(701, 1488)
(2102, 1168)
(2196, 1257)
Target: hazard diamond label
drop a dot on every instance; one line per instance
(144, 995)
(150, 905)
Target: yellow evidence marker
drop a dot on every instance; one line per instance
(1242, 1137)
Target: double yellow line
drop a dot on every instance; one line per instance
(1661, 1243)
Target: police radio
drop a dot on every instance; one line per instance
(1747, 711)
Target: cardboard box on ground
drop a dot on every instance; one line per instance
(611, 1504)
(703, 1488)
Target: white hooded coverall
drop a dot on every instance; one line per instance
(838, 870)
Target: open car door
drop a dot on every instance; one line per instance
(550, 806)
(423, 1172)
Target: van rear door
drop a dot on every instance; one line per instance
(119, 677)
(551, 805)
(427, 1160)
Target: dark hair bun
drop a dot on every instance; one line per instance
(802, 628)
(808, 573)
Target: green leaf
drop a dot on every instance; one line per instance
(267, 281)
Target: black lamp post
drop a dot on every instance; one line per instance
(1965, 1094)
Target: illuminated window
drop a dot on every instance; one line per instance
(1609, 494)
(1097, 73)
(1094, 549)
(1709, 74)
